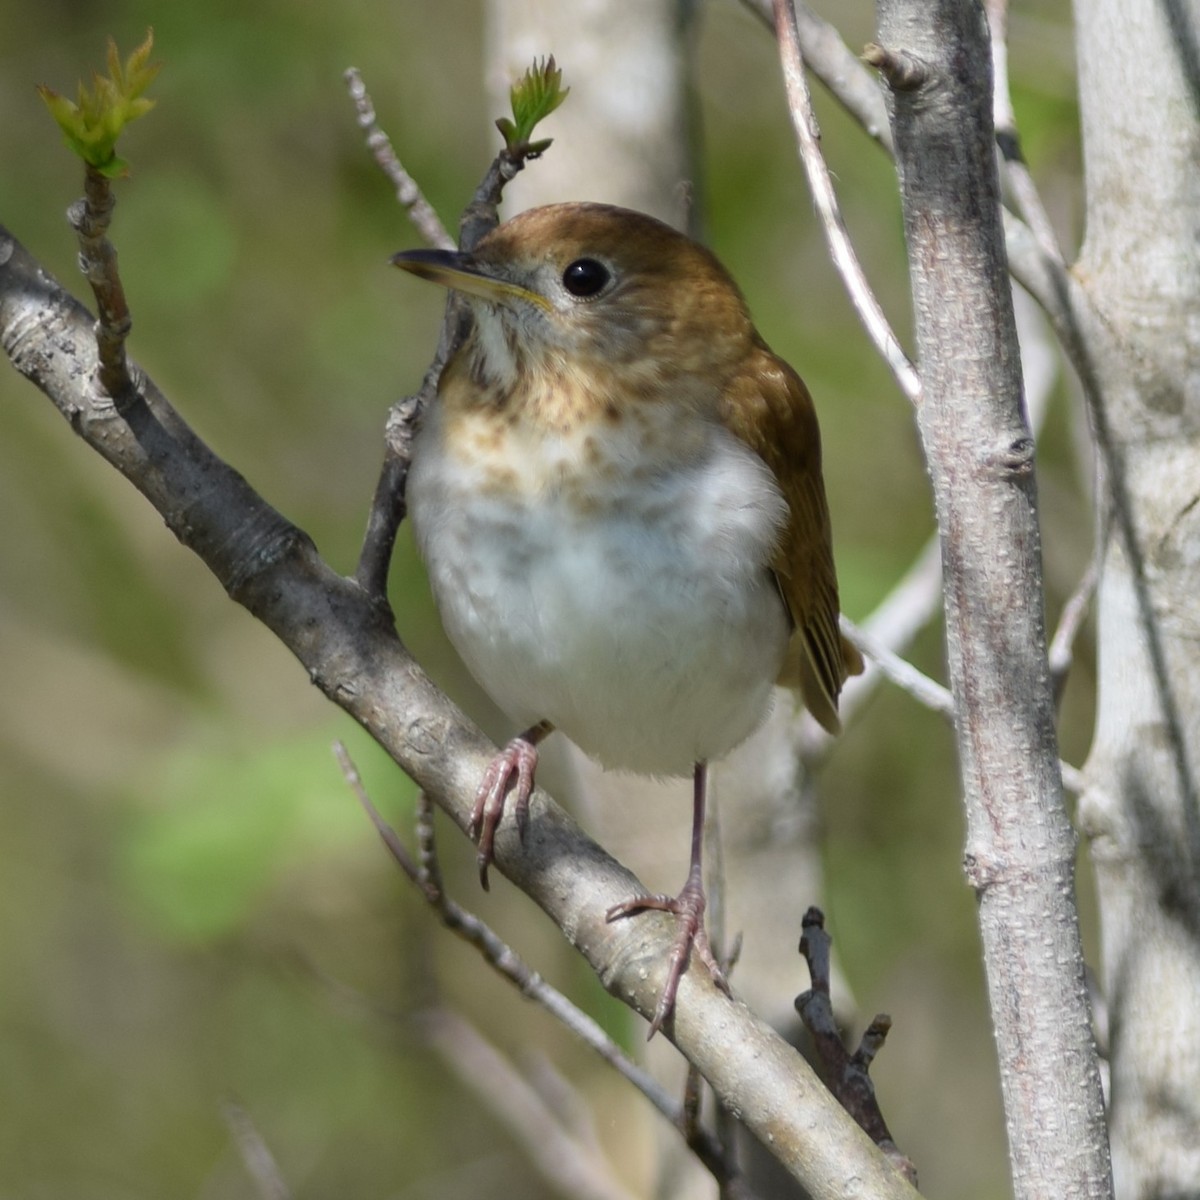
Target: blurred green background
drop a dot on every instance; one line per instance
(193, 910)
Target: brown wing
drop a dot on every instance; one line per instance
(770, 410)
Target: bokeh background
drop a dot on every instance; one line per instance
(193, 911)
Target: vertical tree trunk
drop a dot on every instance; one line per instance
(1139, 80)
(1020, 847)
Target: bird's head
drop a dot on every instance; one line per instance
(593, 286)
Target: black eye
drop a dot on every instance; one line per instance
(585, 277)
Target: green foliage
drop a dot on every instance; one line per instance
(221, 829)
(533, 97)
(92, 125)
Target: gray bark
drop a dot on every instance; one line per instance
(1136, 304)
(1020, 846)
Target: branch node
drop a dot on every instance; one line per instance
(1012, 457)
(983, 870)
(904, 72)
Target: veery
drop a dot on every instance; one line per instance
(618, 496)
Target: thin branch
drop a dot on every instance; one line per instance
(1070, 621)
(569, 1164)
(831, 61)
(924, 690)
(911, 604)
(1016, 171)
(426, 874)
(422, 214)
(917, 597)
(388, 505)
(256, 1156)
(90, 217)
(852, 85)
(825, 199)
(848, 1075)
(901, 672)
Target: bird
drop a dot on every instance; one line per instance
(617, 493)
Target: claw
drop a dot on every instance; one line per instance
(688, 910)
(513, 768)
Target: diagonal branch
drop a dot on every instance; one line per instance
(388, 508)
(1016, 171)
(833, 63)
(840, 247)
(347, 644)
(408, 194)
(425, 873)
(1033, 265)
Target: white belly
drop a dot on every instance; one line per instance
(643, 623)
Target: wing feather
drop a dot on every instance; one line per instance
(769, 409)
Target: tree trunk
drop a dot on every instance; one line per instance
(1020, 846)
(1140, 270)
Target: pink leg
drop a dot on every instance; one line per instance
(515, 763)
(688, 908)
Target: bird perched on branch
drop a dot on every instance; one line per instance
(618, 496)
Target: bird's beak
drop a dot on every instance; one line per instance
(463, 273)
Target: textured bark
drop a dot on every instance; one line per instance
(1139, 272)
(1020, 846)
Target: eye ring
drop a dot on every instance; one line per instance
(585, 277)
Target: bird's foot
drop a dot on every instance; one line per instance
(513, 768)
(688, 909)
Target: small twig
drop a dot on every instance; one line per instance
(825, 199)
(835, 65)
(388, 506)
(851, 84)
(91, 217)
(510, 966)
(422, 214)
(845, 1074)
(255, 1155)
(901, 672)
(1061, 654)
(569, 1164)
(917, 596)
(482, 215)
(1016, 171)
(925, 690)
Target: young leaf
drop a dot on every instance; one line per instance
(92, 124)
(533, 98)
